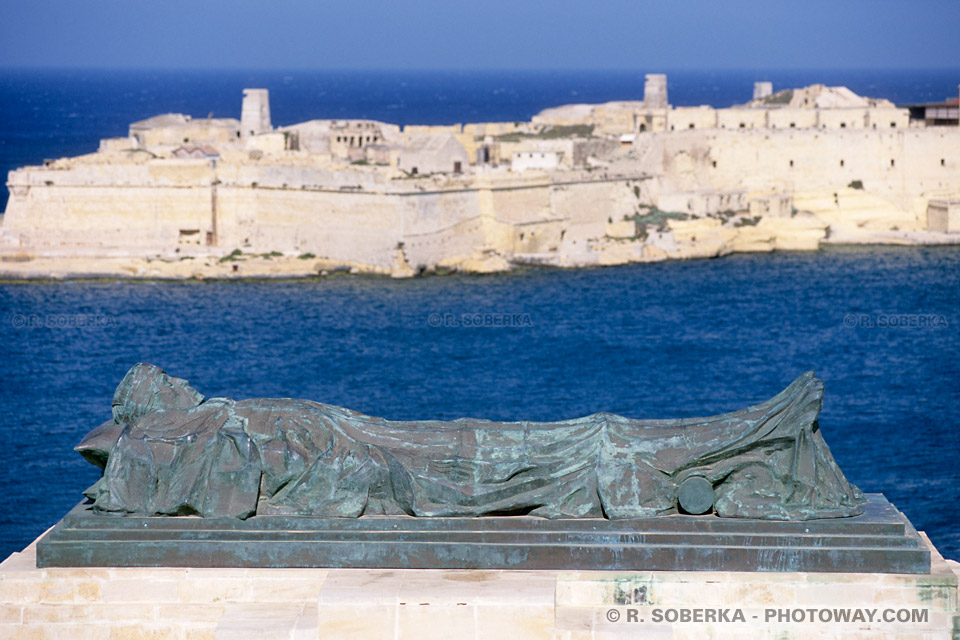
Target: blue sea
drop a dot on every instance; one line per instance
(881, 326)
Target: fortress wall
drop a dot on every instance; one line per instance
(352, 227)
(761, 160)
(887, 118)
(792, 118)
(588, 207)
(439, 226)
(490, 128)
(107, 174)
(138, 218)
(196, 131)
(843, 118)
(299, 177)
(692, 118)
(180, 203)
(683, 163)
(742, 118)
(433, 128)
(614, 121)
(522, 204)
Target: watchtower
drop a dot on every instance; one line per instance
(255, 114)
(762, 90)
(655, 91)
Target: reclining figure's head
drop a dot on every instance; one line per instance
(147, 388)
(142, 391)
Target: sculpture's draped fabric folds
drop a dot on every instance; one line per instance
(170, 451)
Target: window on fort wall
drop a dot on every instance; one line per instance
(841, 163)
(791, 163)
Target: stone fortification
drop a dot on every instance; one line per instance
(578, 185)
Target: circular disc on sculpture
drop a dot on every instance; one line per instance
(695, 495)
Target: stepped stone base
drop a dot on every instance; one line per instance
(880, 540)
(301, 604)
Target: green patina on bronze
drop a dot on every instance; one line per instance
(170, 451)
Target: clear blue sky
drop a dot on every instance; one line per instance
(481, 34)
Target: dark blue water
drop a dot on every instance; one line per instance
(52, 114)
(678, 339)
(672, 339)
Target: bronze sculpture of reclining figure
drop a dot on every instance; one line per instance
(170, 451)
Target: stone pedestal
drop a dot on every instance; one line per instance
(880, 540)
(300, 604)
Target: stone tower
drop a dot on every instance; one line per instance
(655, 91)
(762, 90)
(255, 114)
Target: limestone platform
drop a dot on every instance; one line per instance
(881, 540)
(302, 604)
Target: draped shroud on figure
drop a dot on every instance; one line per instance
(170, 451)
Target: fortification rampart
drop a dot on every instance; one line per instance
(580, 185)
(899, 164)
(360, 217)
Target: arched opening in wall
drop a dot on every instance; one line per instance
(413, 171)
(643, 127)
(691, 125)
(743, 126)
(672, 127)
(892, 163)
(522, 235)
(893, 125)
(457, 167)
(841, 163)
(791, 163)
(714, 164)
(793, 125)
(943, 162)
(843, 125)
